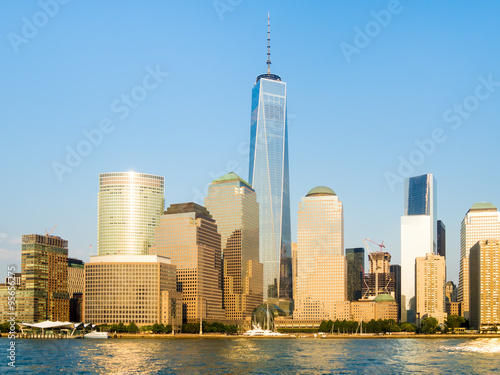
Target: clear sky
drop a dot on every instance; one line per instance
(168, 86)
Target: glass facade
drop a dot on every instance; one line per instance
(355, 266)
(268, 175)
(129, 209)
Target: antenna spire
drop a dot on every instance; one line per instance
(268, 62)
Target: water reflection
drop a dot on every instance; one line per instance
(259, 356)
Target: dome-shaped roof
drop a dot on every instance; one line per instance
(320, 190)
(384, 298)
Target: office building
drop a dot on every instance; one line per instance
(481, 222)
(129, 209)
(321, 264)
(395, 269)
(132, 288)
(44, 282)
(441, 239)
(484, 281)
(430, 282)
(269, 177)
(233, 204)
(188, 235)
(355, 267)
(76, 287)
(418, 235)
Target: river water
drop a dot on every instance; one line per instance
(254, 356)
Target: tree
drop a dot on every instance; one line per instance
(132, 327)
(408, 327)
(454, 321)
(429, 325)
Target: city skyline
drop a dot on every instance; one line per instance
(46, 116)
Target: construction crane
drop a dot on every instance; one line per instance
(48, 234)
(381, 245)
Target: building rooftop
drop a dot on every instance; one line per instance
(231, 176)
(319, 191)
(484, 206)
(384, 298)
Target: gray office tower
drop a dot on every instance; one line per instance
(396, 270)
(441, 238)
(355, 268)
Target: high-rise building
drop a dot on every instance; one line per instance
(233, 204)
(484, 281)
(355, 266)
(44, 280)
(188, 235)
(481, 222)
(441, 238)
(395, 269)
(76, 288)
(430, 282)
(268, 175)
(321, 264)
(129, 209)
(132, 288)
(418, 235)
(380, 280)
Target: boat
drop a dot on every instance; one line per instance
(96, 335)
(257, 331)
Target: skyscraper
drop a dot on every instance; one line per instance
(441, 238)
(268, 175)
(418, 235)
(482, 222)
(484, 276)
(129, 209)
(233, 204)
(355, 265)
(321, 264)
(188, 235)
(395, 269)
(44, 283)
(430, 279)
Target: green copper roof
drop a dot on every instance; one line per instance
(384, 298)
(231, 176)
(483, 206)
(320, 190)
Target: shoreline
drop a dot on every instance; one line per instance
(298, 336)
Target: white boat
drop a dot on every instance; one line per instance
(96, 335)
(257, 331)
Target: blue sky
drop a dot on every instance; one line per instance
(367, 81)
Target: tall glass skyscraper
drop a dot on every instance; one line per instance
(129, 208)
(418, 235)
(268, 175)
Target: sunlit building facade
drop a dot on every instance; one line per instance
(132, 288)
(418, 235)
(44, 282)
(233, 204)
(321, 264)
(484, 281)
(129, 208)
(188, 235)
(430, 285)
(76, 288)
(269, 177)
(481, 222)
